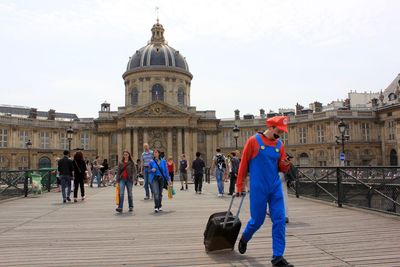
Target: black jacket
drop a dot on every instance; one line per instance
(65, 166)
(198, 166)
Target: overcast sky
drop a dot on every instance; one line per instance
(70, 55)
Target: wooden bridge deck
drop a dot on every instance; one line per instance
(41, 231)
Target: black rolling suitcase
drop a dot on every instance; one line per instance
(222, 229)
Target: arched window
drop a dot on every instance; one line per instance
(181, 97)
(44, 162)
(157, 92)
(393, 158)
(392, 97)
(134, 96)
(304, 159)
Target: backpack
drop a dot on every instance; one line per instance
(220, 162)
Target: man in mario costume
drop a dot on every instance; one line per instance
(263, 157)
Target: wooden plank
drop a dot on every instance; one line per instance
(41, 231)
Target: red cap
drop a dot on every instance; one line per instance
(279, 122)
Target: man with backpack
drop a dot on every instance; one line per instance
(234, 172)
(219, 163)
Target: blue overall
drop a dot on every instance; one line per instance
(265, 187)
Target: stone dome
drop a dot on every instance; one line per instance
(157, 54)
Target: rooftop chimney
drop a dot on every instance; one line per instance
(33, 113)
(237, 114)
(51, 115)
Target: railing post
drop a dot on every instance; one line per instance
(26, 183)
(48, 181)
(339, 187)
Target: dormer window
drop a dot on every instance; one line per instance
(392, 97)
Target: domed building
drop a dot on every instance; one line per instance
(157, 111)
(157, 107)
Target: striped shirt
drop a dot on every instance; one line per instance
(146, 157)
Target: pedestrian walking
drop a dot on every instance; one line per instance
(219, 166)
(233, 172)
(104, 172)
(147, 156)
(125, 175)
(158, 177)
(96, 172)
(79, 166)
(89, 167)
(198, 166)
(264, 156)
(183, 166)
(65, 169)
(171, 169)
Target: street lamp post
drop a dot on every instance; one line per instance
(29, 146)
(70, 132)
(342, 139)
(236, 131)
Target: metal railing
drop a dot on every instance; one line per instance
(22, 182)
(376, 188)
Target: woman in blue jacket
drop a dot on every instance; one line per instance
(158, 175)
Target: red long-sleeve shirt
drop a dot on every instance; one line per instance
(250, 151)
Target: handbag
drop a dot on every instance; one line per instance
(117, 190)
(165, 181)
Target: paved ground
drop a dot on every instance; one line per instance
(41, 231)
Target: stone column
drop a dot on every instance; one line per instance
(209, 149)
(179, 143)
(128, 143)
(214, 145)
(169, 149)
(145, 136)
(100, 150)
(14, 140)
(135, 152)
(13, 162)
(194, 133)
(119, 145)
(55, 140)
(34, 161)
(106, 146)
(187, 145)
(35, 140)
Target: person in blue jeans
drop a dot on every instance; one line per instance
(158, 175)
(147, 156)
(125, 176)
(219, 163)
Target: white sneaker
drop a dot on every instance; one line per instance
(155, 210)
(159, 209)
(219, 195)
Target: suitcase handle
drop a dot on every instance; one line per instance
(229, 210)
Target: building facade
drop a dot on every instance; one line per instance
(157, 111)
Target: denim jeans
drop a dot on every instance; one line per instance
(65, 184)
(146, 178)
(128, 184)
(220, 183)
(158, 183)
(95, 175)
